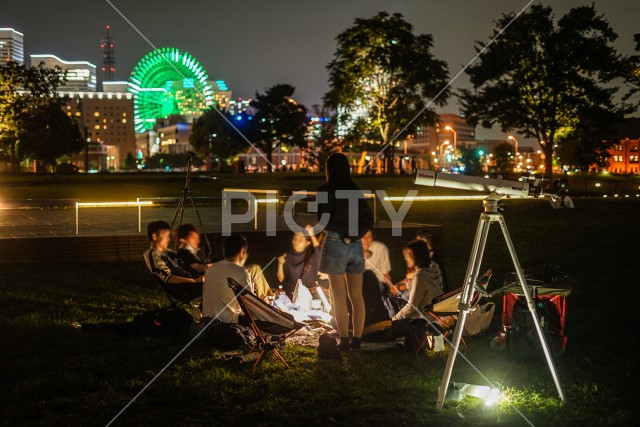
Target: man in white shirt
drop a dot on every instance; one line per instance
(376, 255)
(218, 300)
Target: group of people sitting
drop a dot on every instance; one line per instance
(188, 274)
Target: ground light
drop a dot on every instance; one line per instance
(458, 391)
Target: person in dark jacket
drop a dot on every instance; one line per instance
(342, 254)
(427, 236)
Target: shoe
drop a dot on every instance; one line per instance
(355, 343)
(344, 344)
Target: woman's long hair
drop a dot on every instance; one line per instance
(339, 173)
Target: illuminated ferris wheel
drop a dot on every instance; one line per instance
(168, 81)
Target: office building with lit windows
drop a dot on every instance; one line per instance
(80, 75)
(11, 45)
(106, 118)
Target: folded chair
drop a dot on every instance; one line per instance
(270, 325)
(443, 311)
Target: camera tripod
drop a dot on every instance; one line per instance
(186, 194)
(489, 216)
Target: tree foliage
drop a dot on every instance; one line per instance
(29, 122)
(213, 136)
(542, 79)
(277, 120)
(503, 156)
(633, 74)
(381, 75)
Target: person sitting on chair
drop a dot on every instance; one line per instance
(218, 300)
(165, 264)
(427, 236)
(426, 283)
(189, 252)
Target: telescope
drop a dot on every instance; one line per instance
(529, 184)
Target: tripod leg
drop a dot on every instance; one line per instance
(532, 309)
(206, 239)
(475, 259)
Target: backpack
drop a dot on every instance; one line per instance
(229, 336)
(328, 347)
(524, 343)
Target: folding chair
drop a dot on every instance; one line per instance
(180, 294)
(270, 325)
(443, 310)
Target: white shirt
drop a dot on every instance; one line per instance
(379, 261)
(218, 300)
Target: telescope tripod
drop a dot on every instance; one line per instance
(489, 216)
(186, 194)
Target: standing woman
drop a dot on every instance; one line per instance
(342, 253)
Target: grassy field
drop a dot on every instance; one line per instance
(55, 375)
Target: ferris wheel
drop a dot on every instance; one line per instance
(165, 82)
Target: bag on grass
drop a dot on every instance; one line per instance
(414, 339)
(479, 319)
(162, 322)
(229, 336)
(328, 347)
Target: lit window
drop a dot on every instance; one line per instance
(96, 114)
(97, 127)
(77, 113)
(124, 120)
(104, 127)
(69, 113)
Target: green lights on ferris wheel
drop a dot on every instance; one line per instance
(168, 81)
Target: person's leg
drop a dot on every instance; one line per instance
(338, 285)
(354, 288)
(261, 286)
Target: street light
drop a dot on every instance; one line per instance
(444, 144)
(455, 136)
(513, 138)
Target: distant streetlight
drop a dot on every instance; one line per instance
(513, 138)
(455, 136)
(442, 146)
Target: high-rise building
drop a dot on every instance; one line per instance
(11, 45)
(81, 75)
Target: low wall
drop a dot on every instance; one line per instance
(129, 248)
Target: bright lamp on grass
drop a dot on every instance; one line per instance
(458, 391)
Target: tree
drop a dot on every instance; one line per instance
(277, 120)
(633, 74)
(503, 155)
(211, 135)
(471, 159)
(49, 134)
(541, 78)
(588, 143)
(381, 75)
(27, 95)
(323, 136)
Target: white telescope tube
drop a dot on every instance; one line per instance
(502, 187)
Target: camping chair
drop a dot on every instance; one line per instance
(179, 295)
(443, 310)
(270, 325)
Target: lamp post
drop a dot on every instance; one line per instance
(444, 144)
(513, 138)
(455, 137)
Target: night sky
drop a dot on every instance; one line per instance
(255, 44)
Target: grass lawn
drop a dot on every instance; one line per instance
(55, 375)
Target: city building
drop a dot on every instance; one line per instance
(624, 151)
(11, 45)
(174, 138)
(623, 157)
(106, 120)
(80, 75)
